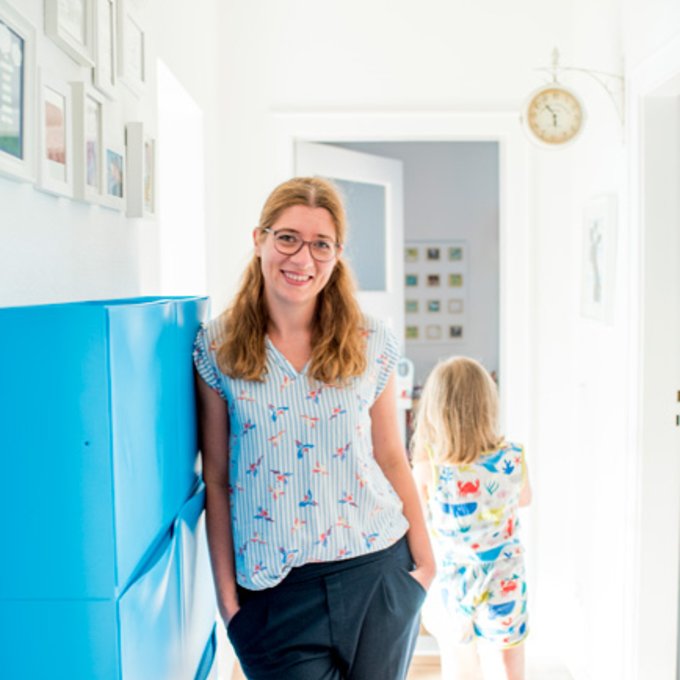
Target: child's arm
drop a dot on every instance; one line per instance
(422, 473)
(525, 491)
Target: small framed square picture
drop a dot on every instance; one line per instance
(455, 306)
(131, 48)
(55, 168)
(434, 306)
(69, 24)
(455, 332)
(456, 280)
(140, 150)
(88, 143)
(411, 280)
(433, 332)
(411, 306)
(114, 193)
(433, 280)
(455, 253)
(433, 253)
(17, 95)
(410, 254)
(411, 332)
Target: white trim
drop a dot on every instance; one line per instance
(81, 52)
(645, 657)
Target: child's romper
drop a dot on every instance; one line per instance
(480, 561)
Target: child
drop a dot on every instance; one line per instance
(472, 482)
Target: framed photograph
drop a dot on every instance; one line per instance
(131, 47)
(455, 254)
(69, 23)
(598, 269)
(114, 188)
(411, 306)
(412, 332)
(433, 280)
(104, 73)
(433, 332)
(434, 306)
(88, 143)
(411, 254)
(411, 280)
(456, 280)
(455, 332)
(55, 166)
(433, 254)
(455, 306)
(140, 149)
(17, 99)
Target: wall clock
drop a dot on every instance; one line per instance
(553, 115)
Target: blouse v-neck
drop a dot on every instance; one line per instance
(283, 361)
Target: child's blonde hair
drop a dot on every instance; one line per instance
(458, 413)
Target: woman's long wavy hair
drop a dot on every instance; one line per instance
(457, 416)
(338, 349)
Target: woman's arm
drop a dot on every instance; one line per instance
(390, 454)
(525, 491)
(213, 427)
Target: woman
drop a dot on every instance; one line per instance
(309, 492)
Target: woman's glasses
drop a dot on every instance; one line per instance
(289, 243)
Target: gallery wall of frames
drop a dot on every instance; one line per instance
(68, 137)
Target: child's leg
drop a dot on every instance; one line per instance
(459, 661)
(502, 664)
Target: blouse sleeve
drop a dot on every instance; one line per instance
(205, 360)
(387, 356)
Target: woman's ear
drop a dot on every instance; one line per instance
(256, 240)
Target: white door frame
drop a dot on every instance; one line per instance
(516, 318)
(653, 469)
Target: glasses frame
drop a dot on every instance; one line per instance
(303, 243)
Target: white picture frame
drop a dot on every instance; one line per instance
(88, 142)
(114, 191)
(55, 128)
(105, 69)
(598, 266)
(69, 23)
(17, 95)
(140, 147)
(131, 46)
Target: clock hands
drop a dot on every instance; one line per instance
(554, 115)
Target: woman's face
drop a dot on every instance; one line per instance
(296, 279)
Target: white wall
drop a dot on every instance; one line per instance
(55, 249)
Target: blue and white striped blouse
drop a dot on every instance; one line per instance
(304, 485)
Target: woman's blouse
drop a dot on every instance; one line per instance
(473, 509)
(304, 485)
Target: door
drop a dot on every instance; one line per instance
(372, 187)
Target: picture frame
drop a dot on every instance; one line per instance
(433, 280)
(88, 142)
(455, 280)
(140, 148)
(69, 23)
(412, 332)
(55, 162)
(433, 332)
(411, 254)
(411, 280)
(412, 306)
(456, 306)
(131, 39)
(598, 267)
(114, 189)
(105, 69)
(455, 253)
(17, 95)
(434, 306)
(456, 332)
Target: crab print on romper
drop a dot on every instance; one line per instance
(303, 478)
(474, 525)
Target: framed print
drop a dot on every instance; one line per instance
(411, 254)
(412, 332)
(55, 165)
(455, 280)
(455, 306)
(69, 24)
(131, 47)
(598, 267)
(141, 171)
(434, 306)
(88, 143)
(411, 280)
(433, 253)
(104, 73)
(411, 306)
(17, 98)
(455, 332)
(433, 332)
(433, 280)
(455, 253)
(114, 190)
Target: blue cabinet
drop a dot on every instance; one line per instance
(106, 573)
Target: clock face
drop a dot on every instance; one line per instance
(554, 115)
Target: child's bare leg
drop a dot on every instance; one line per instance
(460, 661)
(503, 664)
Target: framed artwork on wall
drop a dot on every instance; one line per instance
(435, 282)
(140, 148)
(131, 47)
(17, 95)
(104, 73)
(88, 143)
(69, 23)
(598, 267)
(114, 190)
(55, 164)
